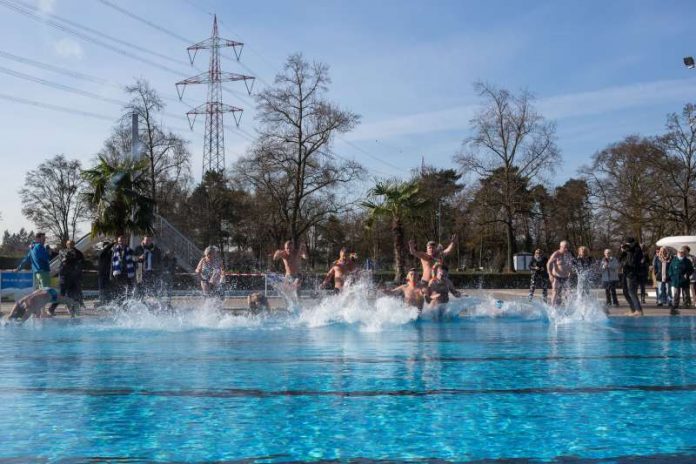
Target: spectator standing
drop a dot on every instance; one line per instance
(40, 259)
(583, 265)
(149, 258)
(663, 289)
(104, 256)
(540, 275)
(72, 262)
(122, 267)
(631, 261)
(680, 270)
(610, 268)
(644, 273)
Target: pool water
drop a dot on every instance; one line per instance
(200, 386)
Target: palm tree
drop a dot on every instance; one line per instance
(395, 201)
(115, 196)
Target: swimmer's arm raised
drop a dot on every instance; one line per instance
(414, 252)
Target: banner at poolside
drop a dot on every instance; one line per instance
(15, 285)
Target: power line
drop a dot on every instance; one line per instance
(56, 25)
(54, 107)
(58, 86)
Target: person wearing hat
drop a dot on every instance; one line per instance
(434, 253)
(680, 270)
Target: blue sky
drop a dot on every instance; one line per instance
(601, 70)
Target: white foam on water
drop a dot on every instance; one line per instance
(359, 305)
(356, 306)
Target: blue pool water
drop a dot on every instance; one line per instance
(202, 387)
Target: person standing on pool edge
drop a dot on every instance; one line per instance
(40, 259)
(559, 267)
(433, 254)
(122, 267)
(540, 276)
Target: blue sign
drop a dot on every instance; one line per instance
(16, 284)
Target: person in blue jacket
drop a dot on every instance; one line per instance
(40, 259)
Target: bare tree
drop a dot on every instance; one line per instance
(676, 160)
(621, 179)
(52, 197)
(169, 160)
(292, 162)
(511, 141)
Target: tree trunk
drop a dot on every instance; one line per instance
(398, 230)
(510, 235)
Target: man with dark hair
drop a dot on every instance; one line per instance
(40, 259)
(70, 274)
(631, 262)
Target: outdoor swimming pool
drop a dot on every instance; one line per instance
(201, 387)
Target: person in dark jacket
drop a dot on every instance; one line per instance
(72, 262)
(644, 273)
(680, 270)
(104, 255)
(631, 261)
(149, 258)
(540, 275)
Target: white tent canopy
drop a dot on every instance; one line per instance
(678, 241)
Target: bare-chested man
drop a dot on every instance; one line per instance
(413, 291)
(560, 266)
(34, 303)
(340, 272)
(433, 254)
(292, 260)
(441, 286)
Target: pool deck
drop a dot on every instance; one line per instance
(239, 304)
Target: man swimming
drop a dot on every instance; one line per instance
(433, 254)
(560, 265)
(34, 303)
(340, 272)
(413, 291)
(292, 261)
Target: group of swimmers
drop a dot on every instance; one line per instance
(432, 287)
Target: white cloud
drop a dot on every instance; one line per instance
(46, 6)
(596, 102)
(68, 48)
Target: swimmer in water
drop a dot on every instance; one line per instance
(293, 265)
(433, 254)
(341, 271)
(439, 289)
(560, 266)
(413, 291)
(34, 304)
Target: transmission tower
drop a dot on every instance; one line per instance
(214, 139)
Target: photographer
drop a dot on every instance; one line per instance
(631, 262)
